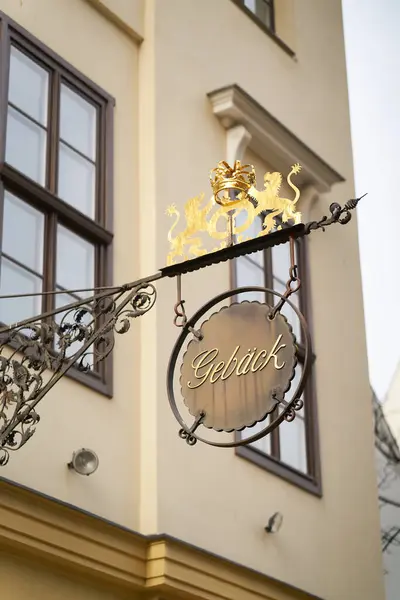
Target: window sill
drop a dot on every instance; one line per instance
(265, 29)
(93, 381)
(306, 482)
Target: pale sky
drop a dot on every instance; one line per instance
(372, 34)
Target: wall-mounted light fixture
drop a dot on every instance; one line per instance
(84, 461)
(274, 523)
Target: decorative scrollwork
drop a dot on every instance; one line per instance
(290, 415)
(187, 434)
(338, 215)
(36, 353)
(298, 404)
(295, 405)
(190, 439)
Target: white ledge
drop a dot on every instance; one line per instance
(271, 140)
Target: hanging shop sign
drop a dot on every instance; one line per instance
(239, 367)
(233, 366)
(236, 368)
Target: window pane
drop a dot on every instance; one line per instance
(15, 280)
(292, 435)
(264, 12)
(292, 438)
(27, 246)
(28, 86)
(75, 261)
(281, 261)
(288, 311)
(25, 146)
(251, 5)
(262, 445)
(62, 300)
(76, 181)
(258, 258)
(78, 122)
(293, 387)
(250, 233)
(255, 227)
(249, 274)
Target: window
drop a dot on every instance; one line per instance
(291, 449)
(55, 183)
(262, 11)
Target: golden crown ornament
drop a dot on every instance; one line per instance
(230, 183)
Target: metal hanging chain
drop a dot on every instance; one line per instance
(293, 283)
(180, 318)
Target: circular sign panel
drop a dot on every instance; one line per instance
(238, 367)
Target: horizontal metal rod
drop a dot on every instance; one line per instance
(55, 292)
(197, 263)
(125, 288)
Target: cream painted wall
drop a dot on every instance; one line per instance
(210, 497)
(73, 416)
(167, 139)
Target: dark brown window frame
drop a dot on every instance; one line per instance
(310, 481)
(97, 231)
(270, 31)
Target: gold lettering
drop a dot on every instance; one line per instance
(273, 354)
(215, 372)
(244, 365)
(254, 367)
(232, 359)
(205, 369)
(202, 362)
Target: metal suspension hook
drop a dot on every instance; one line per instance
(180, 318)
(292, 285)
(293, 272)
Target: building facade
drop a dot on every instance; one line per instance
(111, 110)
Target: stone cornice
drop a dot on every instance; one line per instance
(35, 526)
(113, 16)
(271, 140)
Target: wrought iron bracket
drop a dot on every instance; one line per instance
(80, 335)
(37, 352)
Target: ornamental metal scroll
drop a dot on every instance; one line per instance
(35, 354)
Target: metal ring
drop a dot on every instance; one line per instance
(186, 331)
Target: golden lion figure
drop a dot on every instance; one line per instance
(269, 200)
(195, 223)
